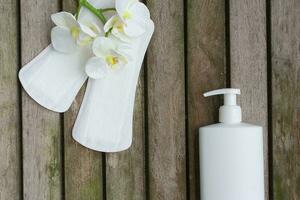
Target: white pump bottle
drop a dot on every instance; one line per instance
(231, 155)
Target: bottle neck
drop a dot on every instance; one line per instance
(230, 114)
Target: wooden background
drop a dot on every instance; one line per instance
(198, 45)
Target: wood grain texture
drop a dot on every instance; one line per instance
(249, 64)
(286, 99)
(206, 71)
(10, 168)
(125, 171)
(41, 128)
(83, 167)
(166, 102)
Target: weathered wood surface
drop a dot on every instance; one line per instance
(285, 30)
(83, 168)
(249, 64)
(163, 160)
(166, 102)
(10, 170)
(205, 71)
(42, 172)
(125, 171)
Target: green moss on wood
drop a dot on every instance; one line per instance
(278, 193)
(91, 190)
(54, 167)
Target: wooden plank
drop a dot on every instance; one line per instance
(41, 128)
(206, 71)
(125, 171)
(285, 40)
(10, 169)
(166, 102)
(83, 167)
(249, 64)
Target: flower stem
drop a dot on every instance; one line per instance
(77, 12)
(107, 9)
(94, 10)
(108, 32)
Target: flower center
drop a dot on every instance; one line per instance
(85, 41)
(112, 60)
(127, 15)
(75, 32)
(118, 25)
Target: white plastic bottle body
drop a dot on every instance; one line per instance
(231, 162)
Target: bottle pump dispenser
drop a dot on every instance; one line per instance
(229, 112)
(231, 154)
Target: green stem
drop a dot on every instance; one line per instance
(94, 10)
(108, 32)
(107, 10)
(78, 9)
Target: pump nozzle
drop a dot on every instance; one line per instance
(229, 112)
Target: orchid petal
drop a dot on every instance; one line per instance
(140, 11)
(112, 25)
(121, 57)
(87, 30)
(109, 24)
(121, 35)
(62, 40)
(64, 19)
(96, 68)
(102, 46)
(123, 5)
(84, 39)
(122, 61)
(133, 29)
(87, 17)
(90, 29)
(126, 51)
(94, 27)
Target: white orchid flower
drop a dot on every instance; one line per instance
(109, 55)
(132, 10)
(90, 28)
(117, 27)
(68, 32)
(127, 23)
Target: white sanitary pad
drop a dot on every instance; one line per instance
(104, 122)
